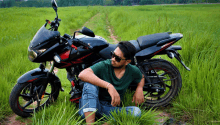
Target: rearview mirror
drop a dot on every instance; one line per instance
(54, 5)
(87, 31)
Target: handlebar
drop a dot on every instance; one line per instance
(54, 24)
(74, 41)
(83, 44)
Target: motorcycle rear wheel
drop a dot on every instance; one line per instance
(166, 76)
(23, 104)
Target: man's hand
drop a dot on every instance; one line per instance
(114, 95)
(138, 96)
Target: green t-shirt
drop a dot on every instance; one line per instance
(105, 71)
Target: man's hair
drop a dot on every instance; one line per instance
(127, 49)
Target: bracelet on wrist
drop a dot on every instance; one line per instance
(107, 86)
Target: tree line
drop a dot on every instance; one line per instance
(63, 3)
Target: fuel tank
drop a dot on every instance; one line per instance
(79, 54)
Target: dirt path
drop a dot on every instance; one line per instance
(91, 19)
(15, 120)
(72, 30)
(112, 36)
(111, 31)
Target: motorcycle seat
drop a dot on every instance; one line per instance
(106, 52)
(150, 40)
(136, 45)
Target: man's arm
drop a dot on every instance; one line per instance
(88, 75)
(139, 95)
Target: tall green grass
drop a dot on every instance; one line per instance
(18, 26)
(61, 112)
(199, 99)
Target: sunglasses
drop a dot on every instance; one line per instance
(117, 58)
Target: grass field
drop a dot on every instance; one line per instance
(198, 101)
(18, 26)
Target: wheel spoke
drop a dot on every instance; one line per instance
(46, 93)
(27, 104)
(26, 96)
(168, 86)
(162, 77)
(146, 94)
(164, 74)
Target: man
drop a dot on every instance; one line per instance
(106, 83)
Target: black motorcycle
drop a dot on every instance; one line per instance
(39, 87)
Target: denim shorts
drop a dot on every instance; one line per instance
(91, 103)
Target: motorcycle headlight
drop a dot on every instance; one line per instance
(31, 54)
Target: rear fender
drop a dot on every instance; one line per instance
(172, 52)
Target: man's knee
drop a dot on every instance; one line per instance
(90, 89)
(134, 110)
(137, 111)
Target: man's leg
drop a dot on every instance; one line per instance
(89, 102)
(90, 117)
(107, 108)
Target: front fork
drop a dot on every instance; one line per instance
(44, 86)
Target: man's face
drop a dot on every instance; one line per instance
(123, 62)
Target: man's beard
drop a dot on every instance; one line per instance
(118, 67)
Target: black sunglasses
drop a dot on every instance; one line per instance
(117, 58)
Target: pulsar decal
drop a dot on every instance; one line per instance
(164, 47)
(31, 80)
(75, 62)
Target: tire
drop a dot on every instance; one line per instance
(169, 79)
(20, 96)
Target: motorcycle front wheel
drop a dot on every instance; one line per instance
(23, 102)
(163, 75)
